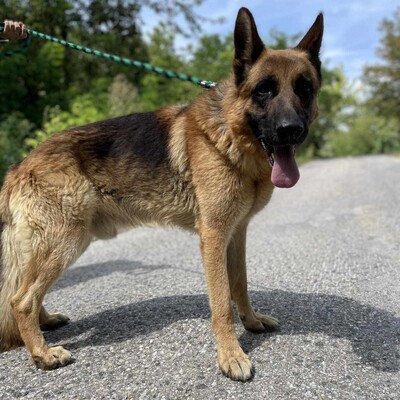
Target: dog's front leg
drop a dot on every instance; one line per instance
(232, 360)
(252, 321)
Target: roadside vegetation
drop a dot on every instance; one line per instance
(50, 88)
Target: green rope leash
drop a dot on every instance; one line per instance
(126, 61)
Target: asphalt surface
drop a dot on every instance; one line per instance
(323, 258)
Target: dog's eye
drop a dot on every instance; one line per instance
(266, 89)
(303, 88)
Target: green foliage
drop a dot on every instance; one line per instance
(279, 40)
(118, 99)
(156, 91)
(122, 97)
(384, 79)
(367, 134)
(213, 57)
(333, 101)
(11, 148)
(51, 88)
(13, 91)
(374, 125)
(85, 109)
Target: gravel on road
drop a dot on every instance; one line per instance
(323, 258)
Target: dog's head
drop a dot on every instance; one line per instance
(279, 90)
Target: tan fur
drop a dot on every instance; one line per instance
(200, 168)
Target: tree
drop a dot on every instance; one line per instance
(49, 85)
(31, 86)
(374, 125)
(11, 148)
(214, 52)
(384, 79)
(156, 91)
(335, 103)
(365, 133)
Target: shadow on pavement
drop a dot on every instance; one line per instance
(78, 275)
(373, 333)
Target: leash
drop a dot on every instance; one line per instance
(121, 60)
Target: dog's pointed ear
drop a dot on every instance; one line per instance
(248, 44)
(311, 42)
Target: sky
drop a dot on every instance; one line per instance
(351, 34)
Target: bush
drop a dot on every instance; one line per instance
(365, 134)
(13, 131)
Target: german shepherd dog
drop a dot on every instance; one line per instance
(207, 167)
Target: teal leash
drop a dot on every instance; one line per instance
(122, 60)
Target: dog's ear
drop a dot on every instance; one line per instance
(311, 42)
(248, 45)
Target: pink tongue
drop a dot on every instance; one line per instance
(285, 173)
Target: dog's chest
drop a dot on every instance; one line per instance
(262, 191)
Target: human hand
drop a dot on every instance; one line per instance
(13, 30)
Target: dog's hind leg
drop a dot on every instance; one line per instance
(58, 247)
(50, 321)
(252, 321)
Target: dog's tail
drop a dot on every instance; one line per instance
(10, 278)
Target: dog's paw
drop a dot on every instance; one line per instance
(259, 322)
(53, 358)
(53, 321)
(236, 365)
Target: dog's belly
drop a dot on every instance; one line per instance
(162, 206)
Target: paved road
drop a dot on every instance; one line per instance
(323, 258)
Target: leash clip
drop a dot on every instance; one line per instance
(207, 84)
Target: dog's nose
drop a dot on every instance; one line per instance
(290, 131)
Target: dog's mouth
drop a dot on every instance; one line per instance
(285, 172)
